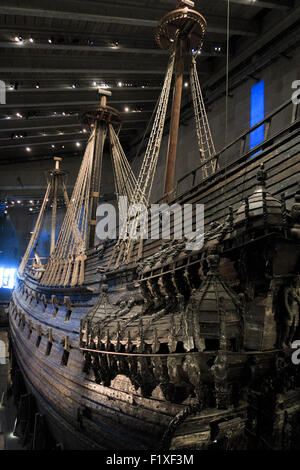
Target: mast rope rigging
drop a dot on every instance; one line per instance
(205, 141)
(147, 172)
(125, 180)
(36, 231)
(70, 247)
(54, 180)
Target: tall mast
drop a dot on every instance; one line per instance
(56, 177)
(183, 28)
(56, 174)
(98, 118)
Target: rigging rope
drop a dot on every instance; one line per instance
(36, 231)
(125, 180)
(66, 264)
(145, 179)
(205, 141)
(226, 98)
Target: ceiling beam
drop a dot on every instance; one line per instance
(61, 89)
(58, 104)
(130, 117)
(41, 70)
(215, 24)
(79, 48)
(271, 4)
(101, 49)
(39, 128)
(50, 142)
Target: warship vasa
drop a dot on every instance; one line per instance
(144, 344)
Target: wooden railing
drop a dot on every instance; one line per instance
(236, 151)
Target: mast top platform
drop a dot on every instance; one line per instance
(184, 22)
(57, 170)
(101, 112)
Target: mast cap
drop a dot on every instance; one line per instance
(183, 21)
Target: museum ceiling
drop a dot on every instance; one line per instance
(55, 54)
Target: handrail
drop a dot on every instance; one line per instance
(188, 353)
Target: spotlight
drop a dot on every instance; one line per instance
(19, 202)
(31, 40)
(19, 115)
(78, 144)
(37, 85)
(126, 109)
(53, 146)
(28, 149)
(120, 84)
(186, 84)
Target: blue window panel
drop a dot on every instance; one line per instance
(2, 209)
(257, 113)
(7, 278)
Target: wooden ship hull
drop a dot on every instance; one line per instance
(177, 349)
